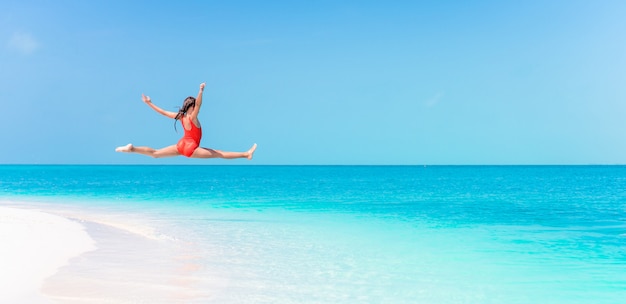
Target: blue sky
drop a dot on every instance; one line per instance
(318, 82)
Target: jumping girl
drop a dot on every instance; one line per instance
(189, 145)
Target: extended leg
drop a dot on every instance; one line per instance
(163, 152)
(211, 153)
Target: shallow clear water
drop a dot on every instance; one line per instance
(372, 234)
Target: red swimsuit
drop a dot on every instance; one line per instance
(190, 141)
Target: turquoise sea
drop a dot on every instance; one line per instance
(342, 234)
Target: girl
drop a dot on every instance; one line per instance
(189, 145)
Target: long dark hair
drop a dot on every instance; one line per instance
(188, 103)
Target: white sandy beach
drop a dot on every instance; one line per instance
(80, 256)
(34, 245)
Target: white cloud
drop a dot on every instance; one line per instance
(23, 43)
(434, 100)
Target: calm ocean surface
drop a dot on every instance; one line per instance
(366, 234)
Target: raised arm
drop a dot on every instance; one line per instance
(148, 101)
(196, 109)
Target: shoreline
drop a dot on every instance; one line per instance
(78, 256)
(36, 245)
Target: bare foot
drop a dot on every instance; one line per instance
(127, 148)
(251, 152)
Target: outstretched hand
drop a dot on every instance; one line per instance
(202, 86)
(146, 99)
